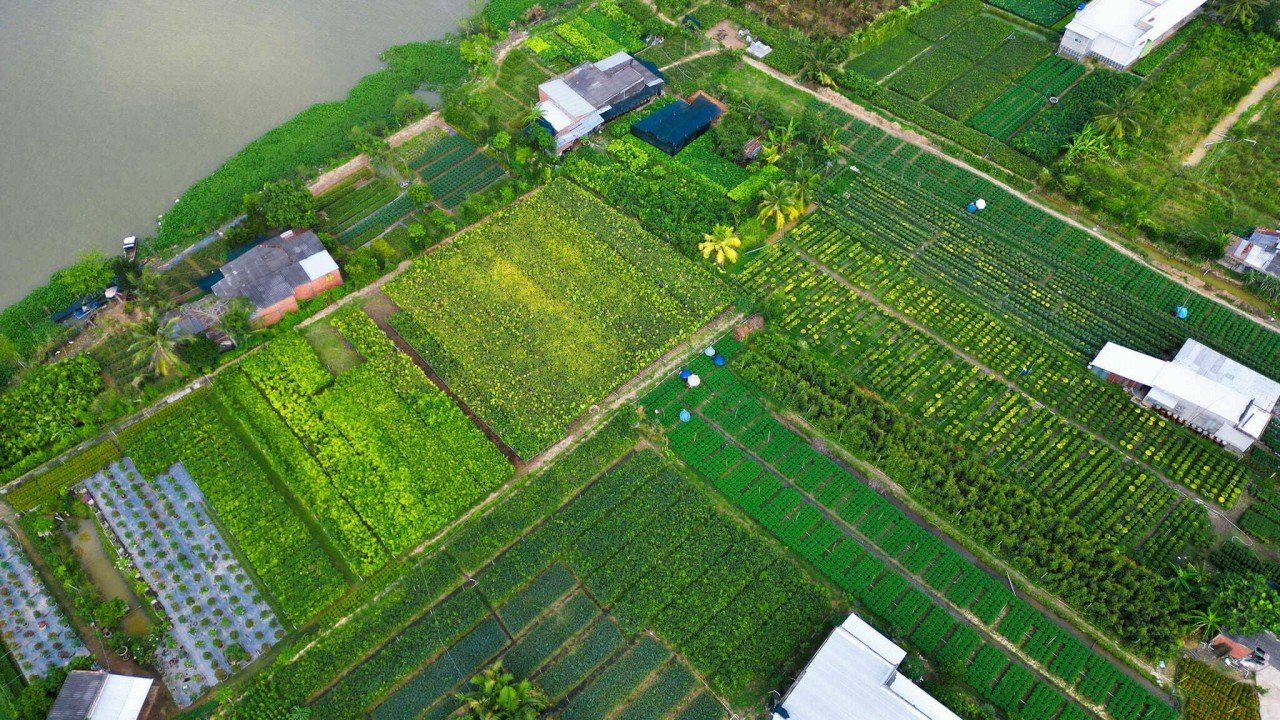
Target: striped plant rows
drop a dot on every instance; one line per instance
(1002, 118)
(797, 492)
(454, 169)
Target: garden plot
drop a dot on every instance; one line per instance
(32, 625)
(546, 307)
(219, 620)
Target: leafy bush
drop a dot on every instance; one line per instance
(46, 410)
(1153, 59)
(314, 137)
(929, 73)
(749, 189)
(1044, 138)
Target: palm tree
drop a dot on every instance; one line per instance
(1205, 623)
(153, 345)
(723, 243)
(533, 114)
(1186, 577)
(1242, 12)
(778, 202)
(821, 62)
(237, 321)
(498, 697)
(1122, 117)
(148, 292)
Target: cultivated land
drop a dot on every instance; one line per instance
(357, 515)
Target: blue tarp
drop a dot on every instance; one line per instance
(676, 125)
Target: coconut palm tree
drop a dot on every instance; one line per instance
(722, 242)
(1122, 117)
(499, 697)
(533, 114)
(153, 345)
(821, 62)
(779, 203)
(1241, 12)
(1205, 623)
(1186, 577)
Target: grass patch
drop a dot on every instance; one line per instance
(331, 347)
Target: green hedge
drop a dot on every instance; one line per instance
(311, 138)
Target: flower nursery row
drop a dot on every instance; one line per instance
(32, 627)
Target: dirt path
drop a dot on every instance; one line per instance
(691, 58)
(1264, 86)
(361, 161)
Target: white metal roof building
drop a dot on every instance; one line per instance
(1200, 387)
(1118, 32)
(854, 676)
(90, 695)
(592, 94)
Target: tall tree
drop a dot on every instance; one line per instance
(721, 242)
(1122, 117)
(499, 697)
(88, 276)
(153, 345)
(237, 321)
(821, 60)
(288, 204)
(779, 203)
(1242, 12)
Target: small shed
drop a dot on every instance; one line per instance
(94, 695)
(673, 127)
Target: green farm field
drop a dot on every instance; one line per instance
(546, 307)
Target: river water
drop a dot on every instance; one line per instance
(109, 109)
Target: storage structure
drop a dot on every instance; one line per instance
(591, 94)
(1119, 32)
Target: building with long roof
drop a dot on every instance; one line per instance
(96, 695)
(854, 676)
(1119, 32)
(1200, 387)
(279, 272)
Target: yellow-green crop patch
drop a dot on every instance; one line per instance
(543, 309)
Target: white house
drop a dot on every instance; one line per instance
(1118, 32)
(92, 695)
(1201, 387)
(854, 676)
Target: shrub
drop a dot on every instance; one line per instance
(1054, 127)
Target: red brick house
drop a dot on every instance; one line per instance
(279, 272)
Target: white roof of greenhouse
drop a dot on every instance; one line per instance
(1129, 20)
(854, 676)
(1201, 387)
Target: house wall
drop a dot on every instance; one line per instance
(317, 286)
(268, 316)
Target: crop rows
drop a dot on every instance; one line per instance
(1041, 12)
(52, 482)
(455, 176)
(182, 556)
(441, 156)
(346, 212)
(1212, 695)
(378, 221)
(768, 493)
(32, 627)
(274, 539)
(342, 189)
(491, 174)
(396, 450)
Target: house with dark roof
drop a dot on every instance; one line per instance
(96, 695)
(680, 123)
(592, 94)
(279, 272)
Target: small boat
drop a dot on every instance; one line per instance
(130, 246)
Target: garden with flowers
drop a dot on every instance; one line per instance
(546, 307)
(32, 626)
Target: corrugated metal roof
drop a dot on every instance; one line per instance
(78, 695)
(1119, 19)
(854, 676)
(318, 265)
(573, 104)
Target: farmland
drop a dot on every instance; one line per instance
(546, 307)
(873, 551)
(219, 621)
(33, 628)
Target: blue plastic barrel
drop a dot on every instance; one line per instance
(685, 416)
(719, 360)
(684, 374)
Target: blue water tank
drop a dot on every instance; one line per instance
(971, 207)
(685, 416)
(684, 374)
(719, 360)
(1182, 312)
